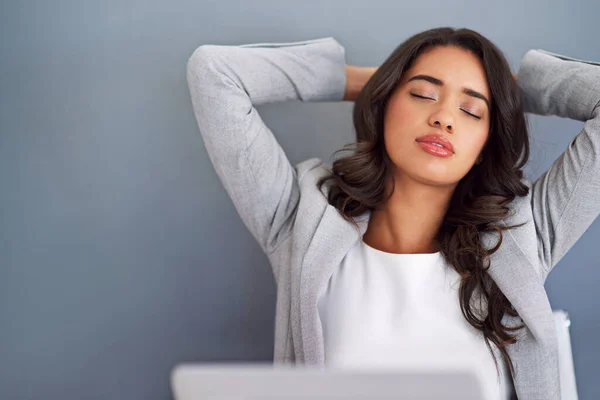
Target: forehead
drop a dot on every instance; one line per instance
(454, 66)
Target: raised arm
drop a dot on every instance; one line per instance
(226, 82)
(566, 198)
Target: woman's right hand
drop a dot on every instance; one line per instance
(356, 78)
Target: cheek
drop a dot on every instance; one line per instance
(408, 111)
(400, 117)
(474, 143)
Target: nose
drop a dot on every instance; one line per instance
(443, 119)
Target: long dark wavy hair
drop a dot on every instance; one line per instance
(480, 200)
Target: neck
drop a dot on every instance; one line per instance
(410, 219)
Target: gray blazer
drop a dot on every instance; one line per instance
(305, 238)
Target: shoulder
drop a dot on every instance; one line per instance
(521, 206)
(311, 168)
(310, 171)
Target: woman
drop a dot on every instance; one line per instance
(425, 245)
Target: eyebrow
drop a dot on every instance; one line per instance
(437, 82)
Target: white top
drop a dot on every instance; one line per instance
(402, 311)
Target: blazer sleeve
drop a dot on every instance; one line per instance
(226, 83)
(566, 198)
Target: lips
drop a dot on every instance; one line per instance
(436, 140)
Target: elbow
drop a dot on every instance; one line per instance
(200, 65)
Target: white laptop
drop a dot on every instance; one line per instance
(265, 381)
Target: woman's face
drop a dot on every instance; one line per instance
(444, 93)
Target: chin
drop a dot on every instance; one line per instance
(429, 170)
(434, 176)
(437, 181)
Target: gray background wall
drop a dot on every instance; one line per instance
(120, 253)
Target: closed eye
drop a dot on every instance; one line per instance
(472, 115)
(421, 97)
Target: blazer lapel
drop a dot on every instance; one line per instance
(333, 239)
(534, 356)
(518, 279)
